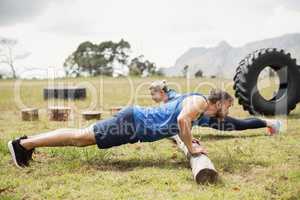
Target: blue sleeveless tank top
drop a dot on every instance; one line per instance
(155, 123)
(172, 94)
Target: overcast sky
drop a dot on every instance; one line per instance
(159, 29)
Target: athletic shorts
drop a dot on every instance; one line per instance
(118, 130)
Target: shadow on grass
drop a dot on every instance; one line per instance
(132, 164)
(235, 165)
(213, 137)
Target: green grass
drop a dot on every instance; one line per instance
(251, 165)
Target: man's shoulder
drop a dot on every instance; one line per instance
(193, 94)
(194, 100)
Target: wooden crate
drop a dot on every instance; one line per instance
(57, 113)
(30, 114)
(89, 115)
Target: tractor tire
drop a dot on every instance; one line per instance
(246, 77)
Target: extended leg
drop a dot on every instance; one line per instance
(60, 137)
(21, 149)
(234, 124)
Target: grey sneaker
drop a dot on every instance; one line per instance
(275, 129)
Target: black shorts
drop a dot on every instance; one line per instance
(118, 130)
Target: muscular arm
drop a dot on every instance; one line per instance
(192, 107)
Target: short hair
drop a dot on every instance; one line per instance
(159, 85)
(219, 95)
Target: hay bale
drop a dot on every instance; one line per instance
(115, 110)
(57, 113)
(30, 114)
(89, 115)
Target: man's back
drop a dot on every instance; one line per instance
(154, 123)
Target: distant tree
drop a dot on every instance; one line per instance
(160, 72)
(151, 67)
(116, 51)
(71, 67)
(185, 71)
(96, 59)
(8, 55)
(199, 73)
(139, 66)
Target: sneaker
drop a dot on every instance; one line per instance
(275, 128)
(30, 152)
(19, 154)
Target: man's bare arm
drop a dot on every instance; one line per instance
(192, 107)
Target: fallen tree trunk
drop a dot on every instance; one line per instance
(202, 168)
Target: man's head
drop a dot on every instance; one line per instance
(158, 91)
(219, 103)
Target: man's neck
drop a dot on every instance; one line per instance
(165, 99)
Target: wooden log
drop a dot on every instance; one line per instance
(30, 114)
(115, 110)
(89, 115)
(202, 168)
(65, 93)
(59, 113)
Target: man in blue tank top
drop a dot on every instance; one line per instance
(132, 124)
(160, 92)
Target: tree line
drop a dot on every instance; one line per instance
(100, 59)
(88, 58)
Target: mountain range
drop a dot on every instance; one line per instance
(223, 59)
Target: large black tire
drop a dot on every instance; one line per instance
(245, 82)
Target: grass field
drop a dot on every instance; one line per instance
(251, 165)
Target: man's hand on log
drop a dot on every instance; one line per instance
(194, 140)
(198, 150)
